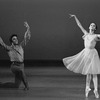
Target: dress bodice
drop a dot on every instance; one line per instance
(90, 41)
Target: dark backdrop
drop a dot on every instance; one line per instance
(54, 35)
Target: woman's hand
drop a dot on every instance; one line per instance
(71, 15)
(1, 41)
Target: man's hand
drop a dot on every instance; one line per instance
(26, 24)
(27, 33)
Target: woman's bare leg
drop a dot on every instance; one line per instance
(88, 80)
(95, 81)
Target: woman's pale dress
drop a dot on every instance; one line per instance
(87, 61)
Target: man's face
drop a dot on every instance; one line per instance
(15, 40)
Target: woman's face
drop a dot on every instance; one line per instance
(92, 26)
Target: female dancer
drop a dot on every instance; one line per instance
(87, 61)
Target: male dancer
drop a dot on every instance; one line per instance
(16, 54)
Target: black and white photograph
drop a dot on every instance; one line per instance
(49, 50)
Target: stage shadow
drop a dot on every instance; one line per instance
(92, 99)
(8, 85)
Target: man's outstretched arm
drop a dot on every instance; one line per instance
(27, 35)
(4, 45)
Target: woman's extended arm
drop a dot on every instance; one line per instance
(78, 23)
(98, 37)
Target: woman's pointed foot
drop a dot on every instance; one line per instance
(96, 93)
(87, 92)
(26, 88)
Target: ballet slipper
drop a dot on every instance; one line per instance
(96, 93)
(87, 92)
(26, 88)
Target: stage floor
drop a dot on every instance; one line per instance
(46, 83)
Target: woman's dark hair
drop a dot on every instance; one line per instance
(10, 39)
(96, 27)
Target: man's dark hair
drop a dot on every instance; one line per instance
(10, 39)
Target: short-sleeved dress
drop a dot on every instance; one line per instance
(87, 61)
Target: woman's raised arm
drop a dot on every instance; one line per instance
(79, 24)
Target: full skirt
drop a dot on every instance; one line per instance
(85, 62)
